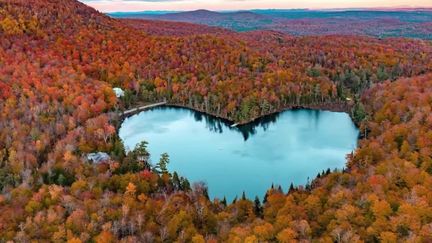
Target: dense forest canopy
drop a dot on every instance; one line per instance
(60, 59)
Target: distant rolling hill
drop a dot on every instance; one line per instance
(414, 23)
(238, 21)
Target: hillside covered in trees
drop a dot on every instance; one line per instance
(60, 59)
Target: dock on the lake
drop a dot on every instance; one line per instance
(141, 108)
(234, 125)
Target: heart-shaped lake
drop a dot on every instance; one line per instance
(289, 147)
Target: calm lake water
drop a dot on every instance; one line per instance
(280, 149)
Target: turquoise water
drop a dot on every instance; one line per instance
(288, 147)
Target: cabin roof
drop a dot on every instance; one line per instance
(98, 157)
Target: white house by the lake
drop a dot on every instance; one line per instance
(118, 92)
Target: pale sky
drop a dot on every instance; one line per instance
(141, 5)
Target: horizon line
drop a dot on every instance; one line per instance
(399, 8)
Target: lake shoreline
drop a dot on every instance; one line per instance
(330, 106)
(334, 107)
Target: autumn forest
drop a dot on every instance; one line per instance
(59, 63)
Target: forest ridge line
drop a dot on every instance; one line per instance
(414, 23)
